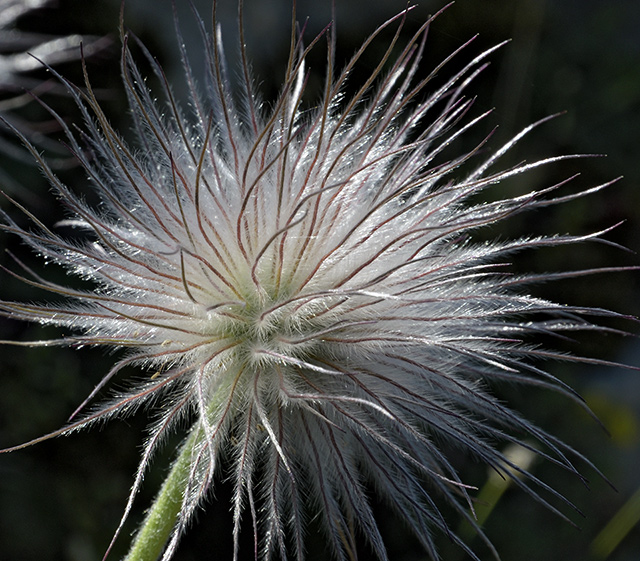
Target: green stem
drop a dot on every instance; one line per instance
(161, 519)
(617, 529)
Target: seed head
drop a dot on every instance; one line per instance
(303, 286)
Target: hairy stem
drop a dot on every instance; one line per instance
(162, 516)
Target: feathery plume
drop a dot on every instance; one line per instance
(21, 54)
(304, 289)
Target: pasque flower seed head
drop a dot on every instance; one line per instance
(303, 286)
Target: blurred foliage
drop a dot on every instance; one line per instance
(62, 500)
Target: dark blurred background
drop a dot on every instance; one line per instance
(62, 500)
